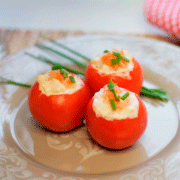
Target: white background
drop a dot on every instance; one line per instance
(121, 16)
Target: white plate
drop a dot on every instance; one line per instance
(156, 155)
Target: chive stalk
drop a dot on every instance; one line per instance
(72, 79)
(113, 105)
(47, 48)
(70, 50)
(7, 81)
(125, 96)
(64, 73)
(55, 64)
(111, 88)
(154, 93)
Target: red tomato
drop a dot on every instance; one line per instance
(116, 134)
(96, 80)
(58, 112)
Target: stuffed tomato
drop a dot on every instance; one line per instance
(58, 100)
(116, 118)
(117, 65)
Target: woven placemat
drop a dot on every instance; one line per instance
(16, 39)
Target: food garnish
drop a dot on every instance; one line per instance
(125, 96)
(67, 48)
(72, 79)
(55, 64)
(111, 86)
(49, 49)
(8, 81)
(64, 73)
(113, 105)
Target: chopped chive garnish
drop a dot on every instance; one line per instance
(113, 105)
(111, 85)
(116, 54)
(72, 79)
(125, 58)
(125, 96)
(118, 58)
(111, 88)
(64, 73)
(67, 68)
(111, 82)
(113, 61)
(106, 51)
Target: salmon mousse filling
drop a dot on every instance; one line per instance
(117, 62)
(59, 82)
(116, 103)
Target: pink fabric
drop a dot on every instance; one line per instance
(164, 14)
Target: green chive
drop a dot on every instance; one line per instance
(111, 88)
(67, 68)
(7, 81)
(111, 82)
(125, 96)
(70, 50)
(55, 64)
(106, 51)
(154, 93)
(113, 105)
(113, 61)
(72, 79)
(49, 49)
(116, 54)
(125, 58)
(160, 91)
(64, 73)
(119, 57)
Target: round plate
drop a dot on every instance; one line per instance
(36, 152)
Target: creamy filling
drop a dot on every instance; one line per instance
(52, 86)
(102, 107)
(105, 69)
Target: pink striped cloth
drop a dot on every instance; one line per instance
(164, 14)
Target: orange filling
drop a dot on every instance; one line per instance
(108, 95)
(107, 58)
(66, 81)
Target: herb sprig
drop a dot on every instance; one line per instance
(118, 58)
(67, 48)
(55, 64)
(111, 86)
(154, 93)
(49, 49)
(8, 81)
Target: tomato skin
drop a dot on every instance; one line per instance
(116, 134)
(59, 113)
(96, 80)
